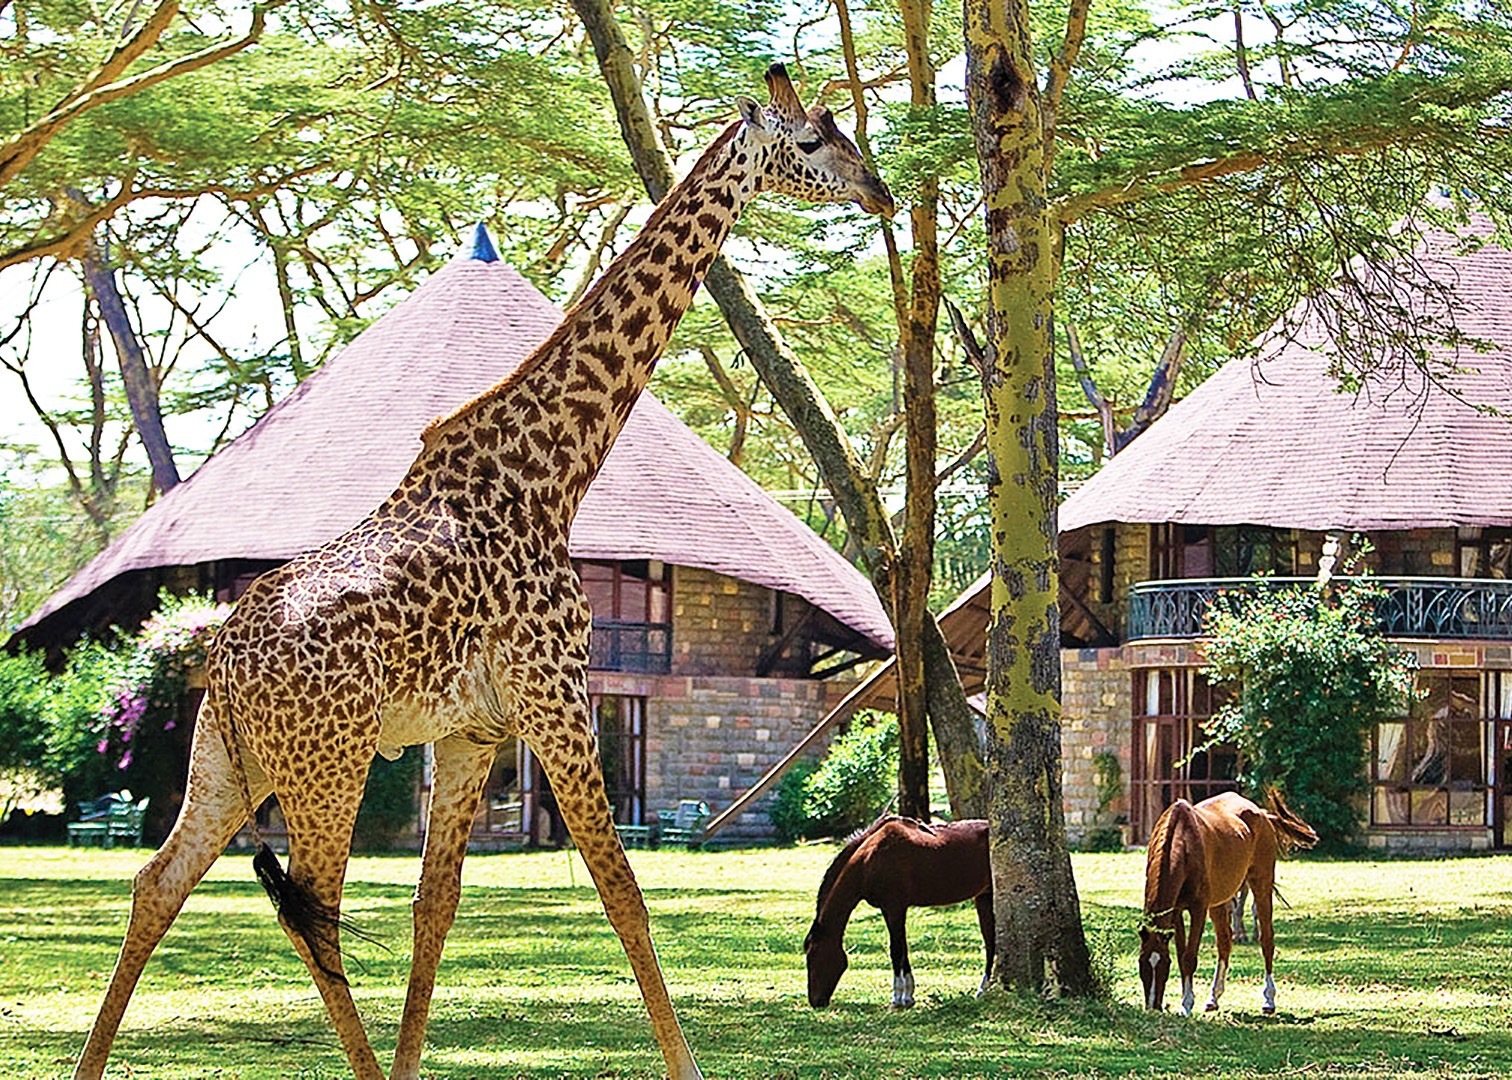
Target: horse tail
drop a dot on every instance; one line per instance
(1292, 832)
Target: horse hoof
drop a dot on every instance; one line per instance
(1268, 1010)
(1211, 1006)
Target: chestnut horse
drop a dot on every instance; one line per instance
(1198, 859)
(894, 864)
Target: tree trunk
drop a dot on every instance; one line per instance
(141, 387)
(1039, 931)
(800, 398)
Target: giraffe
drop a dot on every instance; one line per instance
(452, 616)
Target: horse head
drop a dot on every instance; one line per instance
(827, 961)
(1154, 964)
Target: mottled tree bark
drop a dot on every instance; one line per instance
(1039, 931)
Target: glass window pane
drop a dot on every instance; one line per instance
(1467, 808)
(1389, 807)
(1430, 807)
(1391, 753)
(1467, 759)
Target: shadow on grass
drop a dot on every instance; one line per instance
(534, 984)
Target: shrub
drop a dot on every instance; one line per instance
(388, 801)
(847, 790)
(786, 811)
(24, 719)
(1314, 677)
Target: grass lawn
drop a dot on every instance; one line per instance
(1390, 968)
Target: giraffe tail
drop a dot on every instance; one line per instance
(317, 925)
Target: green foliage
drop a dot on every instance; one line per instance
(854, 783)
(389, 800)
(786, 811)
(1313, 676)
(24, 716)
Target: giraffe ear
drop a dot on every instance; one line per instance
(750, 112)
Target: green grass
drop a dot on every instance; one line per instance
(1390, 968)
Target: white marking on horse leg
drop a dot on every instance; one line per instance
(903, 990)
(1268, 996)
(1219, 978)
(1188, 995)
(987, 978)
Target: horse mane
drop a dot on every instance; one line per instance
(1291, 831)
(1165, 839)
(847, 848)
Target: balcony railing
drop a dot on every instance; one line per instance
(1426, 607)
(637, 648)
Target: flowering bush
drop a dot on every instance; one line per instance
(1314, 676)
(147, 698)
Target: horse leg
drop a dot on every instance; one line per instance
(897, 939)
(461, 768)
(987, 920)
(1186, 953)
(1262, 890)
(1241, 928)
(1223, 931)
(212, 812)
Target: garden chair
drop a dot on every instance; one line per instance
(685, 825)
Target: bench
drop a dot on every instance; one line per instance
(636, 836)
(107, 820)
(685, 825)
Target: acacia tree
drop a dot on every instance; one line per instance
(1292, 185)
(934, 687)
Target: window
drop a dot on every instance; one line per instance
(631, 603)
(1484, 553)
(1429, 768)
(620, 724)
(1245, 550)
(635, 591)
(1171, 705)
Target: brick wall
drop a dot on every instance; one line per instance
(1096, 711)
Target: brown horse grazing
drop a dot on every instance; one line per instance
(1198, 858)
(894, 864)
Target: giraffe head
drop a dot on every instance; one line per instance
(800, 152)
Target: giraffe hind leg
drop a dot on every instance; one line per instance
(214, 808)
(320, 840)
(570, 758)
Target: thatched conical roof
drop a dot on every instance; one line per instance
(324, 456)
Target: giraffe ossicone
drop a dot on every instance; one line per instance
(451, 615)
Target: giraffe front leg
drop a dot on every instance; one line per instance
(460, 771)
(568, 752)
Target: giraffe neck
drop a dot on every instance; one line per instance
(549, 425)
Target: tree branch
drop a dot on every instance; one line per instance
(96, 90)
(1059, 75)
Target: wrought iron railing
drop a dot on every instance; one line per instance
(1426, 607)
(637, 648)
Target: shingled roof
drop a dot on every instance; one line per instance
(1279, 445)
(324, 456)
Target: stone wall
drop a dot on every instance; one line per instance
(720, 625)
(1096, 712)
(713, 737)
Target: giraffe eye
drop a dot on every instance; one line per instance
(810, 146)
